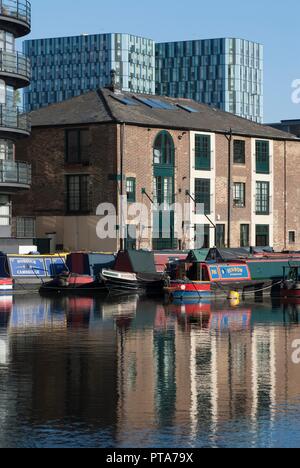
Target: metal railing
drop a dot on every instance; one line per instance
(17, 9)
(14, 118)
(15, 172)
(16, 63)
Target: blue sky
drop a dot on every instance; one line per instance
(274, 24)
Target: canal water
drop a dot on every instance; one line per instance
(83, 372)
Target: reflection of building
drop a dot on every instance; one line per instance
(201, 377)
(158, 151)
(62, 374)
(6, 304)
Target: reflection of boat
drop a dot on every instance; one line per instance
(205, 316)
(78, 311)
(6, 304)
(68, 283)
(120, 312)
(147, 283)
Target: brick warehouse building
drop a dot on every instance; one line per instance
(167, 150)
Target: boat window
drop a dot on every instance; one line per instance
(205, 275)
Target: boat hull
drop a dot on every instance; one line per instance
(130, 283)
(74, 284)
(290, 290)
(181, 291)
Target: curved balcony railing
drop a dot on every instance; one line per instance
(15, 63)
(16, 9)
(15, 172)
(14, 118)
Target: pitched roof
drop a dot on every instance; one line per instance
(104, 106)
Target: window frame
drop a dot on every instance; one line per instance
(242, 243)
(262, 234)
(83, 207)
(207, 237)
(242, 160)
(83, 157)
(218, 245)
(293, 233)
(199, 193)
(203, 152)
(242, 195)
(263, 157)
(24, 228)
(259, 201)
(131, 195)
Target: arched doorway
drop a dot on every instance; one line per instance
(164, 192)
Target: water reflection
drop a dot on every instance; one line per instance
(83, 372)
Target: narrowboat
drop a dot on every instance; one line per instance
(70, 283)
(259, 273)
(214, 280)
(21, 273)
(133, 283)
(137, 272)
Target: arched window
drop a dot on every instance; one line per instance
(164, 150)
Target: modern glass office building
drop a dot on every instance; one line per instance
(225, 73)
(65, 67)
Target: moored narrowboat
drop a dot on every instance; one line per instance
(241, 271)
(206, 280)
(136, 283)
(70, 283)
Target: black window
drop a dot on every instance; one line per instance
(262, 157)
(239, 152)
(78, 194)
(292, 237)
(77, 146)
(262, 236)
(220, 236)
(202, 195)
(26, 227)
(245, 235)
(203, 152)
(202, 236)
(262, 198)
(131, 189)
(239, 196)
(130, 241)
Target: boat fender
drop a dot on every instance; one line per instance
(234, 296)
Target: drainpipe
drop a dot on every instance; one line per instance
(285, 196)
(229, 195)
(121, 205)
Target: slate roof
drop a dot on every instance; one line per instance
(104, 106)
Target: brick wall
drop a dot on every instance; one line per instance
(46, 200)
(139, 164)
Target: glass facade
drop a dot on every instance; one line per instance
(66, 67)
(224, 73)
